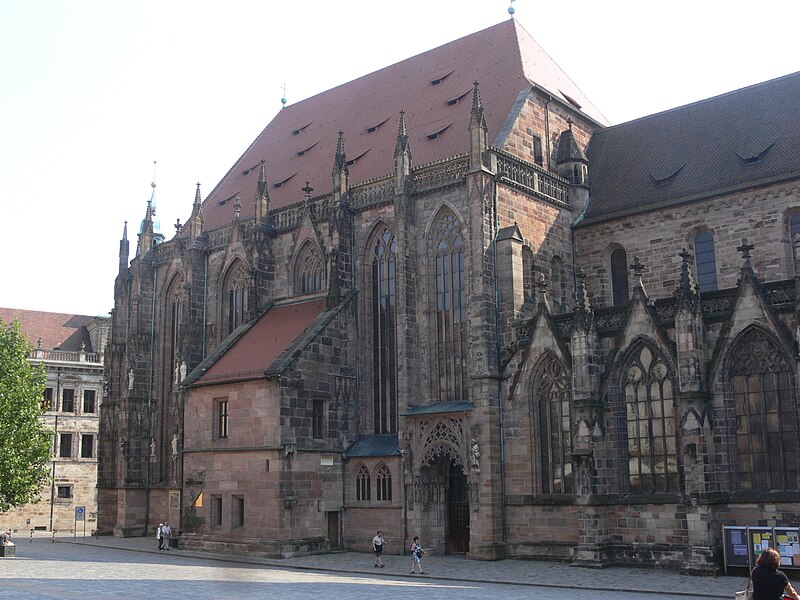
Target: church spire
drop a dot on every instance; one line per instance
(196, 220)
(124, 249)
(402, 155)
(478, 132)
(340, 172)
(262, 195)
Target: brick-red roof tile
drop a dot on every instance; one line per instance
(59, 331)
(258, 348)
(299, 144)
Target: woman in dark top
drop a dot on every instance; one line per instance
(768, 582)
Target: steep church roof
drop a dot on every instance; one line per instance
(58, 331)
(738, 140)
(433, 88)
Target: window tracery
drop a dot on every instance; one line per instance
(362, 484)
(309, 271)
(766, 419)
(651, 430)
(237, 296)
(384, 319)
(383, 484)
(451, 309)
(554, 417)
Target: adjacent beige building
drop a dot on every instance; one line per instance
(71, 349)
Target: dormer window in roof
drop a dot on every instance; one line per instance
(251, 169)
(283, 181)
(353, 160)
(441, 78)
(751, 152)
(435, 134)
(456, 100)
(299, 130)
(570, 99)
(304, 151)
(228, 199)
(374, 128)
(666, 174)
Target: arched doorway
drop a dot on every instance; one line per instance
(457, 511)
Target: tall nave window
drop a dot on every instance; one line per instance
(451, 309)
(237, 292)
(384, 318)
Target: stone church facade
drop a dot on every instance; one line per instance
(446, 299)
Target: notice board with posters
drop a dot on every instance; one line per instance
(743, 545)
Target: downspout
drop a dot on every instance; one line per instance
(498, 351)
(150, 403)
(547, 129)
(205, 300)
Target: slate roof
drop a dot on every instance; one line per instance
(59, 331)
(433, 88)
(738, 140)
(384, 444)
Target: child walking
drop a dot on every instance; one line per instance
(416, 552)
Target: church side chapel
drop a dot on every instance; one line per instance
(448, 299)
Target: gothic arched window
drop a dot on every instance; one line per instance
(309, 272)
(552, 402)
(650, 415)
(175, 305)
(384, 319)
(362, 484)
(766, 416)
(558, 283)
(619, 277)
(236, 296)
(528, 273)
(451, 308)
(706, 261)
(794, 241)
(383, 484)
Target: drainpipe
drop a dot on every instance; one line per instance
(205, 300)
(357, 382)
(150, 403)
(498, 350)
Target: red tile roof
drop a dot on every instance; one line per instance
(300, 143)
(258, 348)
(59, 331)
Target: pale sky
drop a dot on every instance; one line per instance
(94, 91)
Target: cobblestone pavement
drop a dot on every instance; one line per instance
(133, 568)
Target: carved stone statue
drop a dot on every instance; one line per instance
(476, 456)
(152, 450)
(175, 446)
(177, 379)
(183, 370)
(130, 379)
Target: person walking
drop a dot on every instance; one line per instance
(167, 535)
(160, 537)
(377, 548)
(416, 552)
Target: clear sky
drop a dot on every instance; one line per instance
(94, 91)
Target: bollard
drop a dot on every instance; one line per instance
(31, 540)
(54, 536)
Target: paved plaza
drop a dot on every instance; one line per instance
(133, 568)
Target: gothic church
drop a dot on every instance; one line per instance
(448, 299)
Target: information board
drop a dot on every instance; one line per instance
(787, 541)
(736, 548)
(760, 538)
